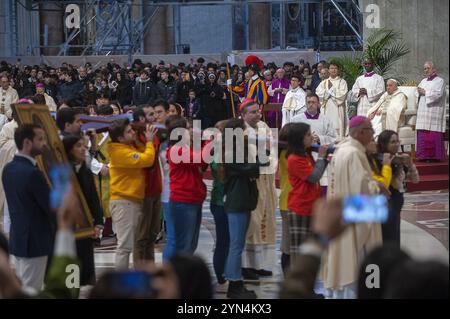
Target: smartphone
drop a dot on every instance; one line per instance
(60, 178)
(365, 208)
(135, 283)
(113, 85)
(159, 126)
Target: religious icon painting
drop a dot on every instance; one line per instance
(54, 154)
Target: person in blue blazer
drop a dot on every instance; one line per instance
(32, 221)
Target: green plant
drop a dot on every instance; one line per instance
(351, 67)
(385, 47)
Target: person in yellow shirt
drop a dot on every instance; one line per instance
(380, 164)
(285, 187)
(127, 184)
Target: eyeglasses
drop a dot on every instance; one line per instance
(368, 128)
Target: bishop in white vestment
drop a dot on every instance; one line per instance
(350, 174)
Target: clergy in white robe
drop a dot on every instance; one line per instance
(322, 128)
(259, 252)
(294, 102)
(333, 94)
(8, 96)
(430, 125)
(350, 174)
(389, 112)
(7, 150)
(367, 89)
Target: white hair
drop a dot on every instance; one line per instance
(430, 63)
(393, 80)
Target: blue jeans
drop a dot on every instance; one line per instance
(222, 239)
(170, 233)
(237, 224)
(186, 218)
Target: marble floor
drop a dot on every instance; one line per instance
(424, 231)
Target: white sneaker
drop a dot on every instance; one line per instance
(222, 288)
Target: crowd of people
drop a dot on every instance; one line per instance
(135, 185)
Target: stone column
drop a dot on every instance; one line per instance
(156, 40)
(54, 21)
(260, 26)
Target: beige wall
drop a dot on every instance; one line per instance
(424, 25)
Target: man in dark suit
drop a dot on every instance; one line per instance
(27, 193)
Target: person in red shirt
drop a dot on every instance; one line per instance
(304, 175)
(150, 220)
(187, 190)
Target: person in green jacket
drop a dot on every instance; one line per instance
(220, 217)
(241, 196)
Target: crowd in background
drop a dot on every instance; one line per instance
(130, 178)
(200, 88)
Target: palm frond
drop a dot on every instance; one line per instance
(385, 48)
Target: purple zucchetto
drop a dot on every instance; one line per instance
(357, 121)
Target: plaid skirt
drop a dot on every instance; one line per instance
(299, 230)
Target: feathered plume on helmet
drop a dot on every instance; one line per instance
(254, 62)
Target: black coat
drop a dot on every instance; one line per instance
(183, 92)
(143, 92)
(71, 91)
(87, 185)
(213, 105)
(85, 249)
(315, 81)
(124, 92)
(167, 90)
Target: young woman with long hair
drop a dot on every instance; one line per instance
(403, 169)
(304, 175)
(76, 147)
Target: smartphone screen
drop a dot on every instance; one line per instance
(60, 178)
(138, 283)
(365, 208)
